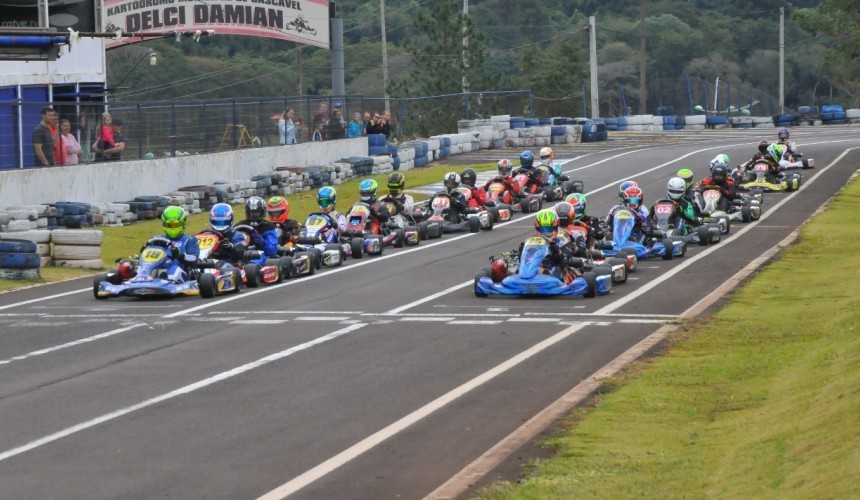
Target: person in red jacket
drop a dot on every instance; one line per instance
(468, 178)
(719, 179)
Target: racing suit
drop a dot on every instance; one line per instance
(185, 252)
(728, 189)
(559, 254)
(641, 227)
(478, 198)
(458, 205)
(264, 239)
(508, 181)
(683, 209)
(287, 235)
(405, 205)
(595, 231)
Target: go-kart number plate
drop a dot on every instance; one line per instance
(441, 202)
(535, 240)
(532, 288)
(152, 255)
(360, 209)
(315, 223)
(711, 194)
(760, 167)
(495, 187)
(206, 242)
(624, 214)
(664, 208)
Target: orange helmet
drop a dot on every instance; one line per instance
(278, 208)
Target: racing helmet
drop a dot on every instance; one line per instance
(546, 154)
(173, 221)
(468, 177)
(719, 175)
(527, 159)
(396, 183)
(782, 134)
(255, 209)
(775, 152)
(722, 159)
(633, 197)
(367, 190)
(578, 202)
(326, 198)
(762, 146)
(221, 217)
(675, 188)
(564, 210)
(451, 181)
(278, 208)
(546, 222)
(687, 176)
(623, 187)
(505, 167)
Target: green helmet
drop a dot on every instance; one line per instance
(546, 222)
(396, 183)
(775, 152)
(579, 203)
(173, 221)
(687, 175)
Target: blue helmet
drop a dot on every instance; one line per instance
(326, 198)
(221, 217)
(527, 159)
(367, 190)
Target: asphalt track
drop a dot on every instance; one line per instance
(380, 379)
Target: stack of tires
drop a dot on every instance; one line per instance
(444, 147)
(786, 120)
(742, 122)
(680, 122)
(518, 122)
(669, 122)
(717, 121)
(833, 114)
(853, 115)
(695, 122)
(77, 248)
(621, 124)
(72, 214)
(420, 159)
(376, 145)
(558, 134)
(19, 254)
(612, 124)
(762, 122)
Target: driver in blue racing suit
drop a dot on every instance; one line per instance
(232, 246)
(184, 249)
(327, 202)
(633, 200)
(264, 237)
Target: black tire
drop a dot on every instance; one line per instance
(746, 213)
(356, 247)
(237, 280)
(207, 285)
(252, 275)
(310, 257)
(276, 263)
(525, 206)
(434, 231)
(494, 212)
(399, 238)
(474, 225)
(549, 193)
(704, 234)
(318, 263)
(285, 267)
(422, 230)
(97, 279)
(623, 262)
(485, 272)
(667, 245)
(591, 280)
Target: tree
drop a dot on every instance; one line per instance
(555, 75)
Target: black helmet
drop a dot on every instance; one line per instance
(565, 213)
(396, 183)
(762, 146)
(468, 177)
(255, 209)
(719, 174)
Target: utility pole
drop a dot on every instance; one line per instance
(781, 60)
(465, 46)
(592, 52)
(299, 69)
(384, 56)
(643, 90)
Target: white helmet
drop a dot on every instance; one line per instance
(721, 159)
(451, 180)
(546, 154)
(675, 188)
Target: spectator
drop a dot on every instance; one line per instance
(386, 125)
(375, 126)
(105, 136)
(336, 126)
(59, 149)
(43, 140)
(318, 132)
(366, 122)
(73, 148)
(355, 127)
(287, 128)
(114, 153)
(321, 117)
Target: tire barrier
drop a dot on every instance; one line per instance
(19, 257)
(78, 248)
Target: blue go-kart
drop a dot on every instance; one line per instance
(526, 274)
(624, 245)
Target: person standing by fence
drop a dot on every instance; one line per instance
(73, 148)
(355, 127)
(43, 140)
(287, 128)
(336, 129)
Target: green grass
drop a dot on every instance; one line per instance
(125, 241)
(760, 401)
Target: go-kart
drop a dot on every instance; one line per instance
(669, 224)
(767, 177)
(451, 221)
(624, 242)
(498, 195)
(357, 221)
(531, 182)
(146, 276)
(746, 209)
(394, 234)
(266, 271)
(526, 274)
(587, 258)
(402, 219)
(501, 213)
(550, 179)
(318, 235)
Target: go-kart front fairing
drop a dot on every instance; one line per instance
(150, 278)
(622, 230)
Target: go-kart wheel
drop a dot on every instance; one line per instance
(474, 225)
(591, 280)
(494, 213)
(412, 230)
(318, 260)
(716, 235)
(622, 276)
(704, 234)
(726, 225)
(549, 193)
(490, 223)
(483, 273)
(207, 285)
(276, 263)
(746, 213)
(667, 249)
(97, 280)
(285, 267)
(237, 280)
(399, 238)
(525, 206)
(422, 231)
(434, 230)
(252, 275)
(309, 259)
(576, 187)
(356, 247)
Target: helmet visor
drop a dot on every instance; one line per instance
(276, 213)
(174, 224)
(633, 201)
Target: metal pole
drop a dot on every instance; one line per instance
(584, 107)
(338, 86)
(643, 91)
(384, 55)
(689, 93)
(465, 47)
(781, 60)
(592, 28)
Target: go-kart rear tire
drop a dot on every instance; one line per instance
(494, 213)
(207, 286)
(704, 234)
(422, 231)
(399, 238)
(252, 275)
(318, 261)
(356, 247)
(549, 193)
(668, 249)
(276, 263)
(525, 206)
(591, 280)
(474, 225)
(485, 272)
(237, 280)
(614, 261)
(412, 229)
(285, 267)
(746, 213)
(97, 280)
(311, 267)
(434, 231)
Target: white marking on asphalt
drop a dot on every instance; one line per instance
(642, 321)
(428, 318)
(320, 318)
(286, 312)
(178, 392)
(475, 322)
(428, 298)
(603, 323)
(218, 319)
(393, 429)
(618, 315)
(535, 320)
(258, 322)
(49, 297)
(70, 344)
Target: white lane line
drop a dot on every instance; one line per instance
(321, 318)
(70, 344)
(430, 318)
(641, 321)
(475, 322)
(178, 392)
(285, 312)
(458, 315)
(258, 322)
(218, 319)
(49, 297)
(617, 315)
(435, 296)
(535, 320)
(378, 437)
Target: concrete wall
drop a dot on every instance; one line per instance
(84, 63)
(120, 181)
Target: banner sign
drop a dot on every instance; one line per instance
(301, 21)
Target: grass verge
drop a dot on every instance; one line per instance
(124, 241)
(761, 400)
